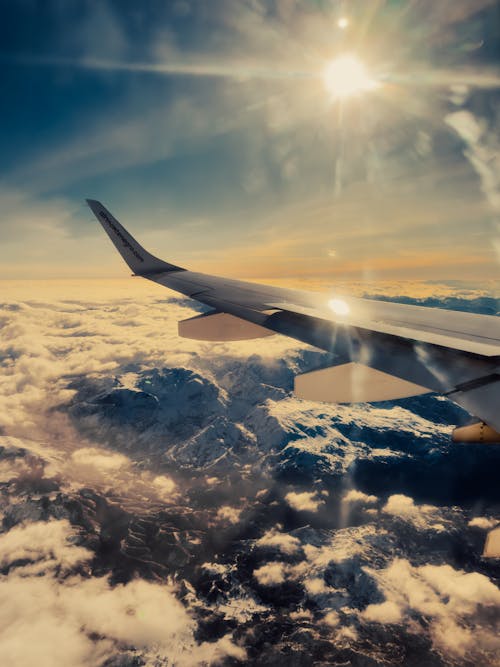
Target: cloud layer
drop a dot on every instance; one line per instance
(180, 490)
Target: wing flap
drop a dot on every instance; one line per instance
(220, 327)
(353, 383)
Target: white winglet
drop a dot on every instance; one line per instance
(140, 260)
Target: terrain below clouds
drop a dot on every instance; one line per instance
(175, 504)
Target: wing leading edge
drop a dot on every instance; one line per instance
(427, 349)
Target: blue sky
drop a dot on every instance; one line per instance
(207, 128)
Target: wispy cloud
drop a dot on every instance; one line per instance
(241, 71)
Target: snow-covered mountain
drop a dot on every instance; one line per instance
(170, 502)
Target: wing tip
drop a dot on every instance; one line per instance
(93, 203)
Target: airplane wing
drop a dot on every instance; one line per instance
(385, 350)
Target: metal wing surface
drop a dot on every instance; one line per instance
(385, 350)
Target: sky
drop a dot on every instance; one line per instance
(220, 136)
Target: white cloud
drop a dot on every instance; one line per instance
(355, 496)
(316, 586)
(45, 542)
(13, 469)
(466, 125)
(307, 501)
(47, 343)
(421, 516)
(456, 605)
(383, 612)
(216, 568)
(483, 153)
(100, 459)
(164, 486)
(66, 614)
(229, 514)
(270, 574)
(286, 543)
(331, 618)
(301, 615)
(212, 480)
(74, 620)
(347, 632)
(482, 522)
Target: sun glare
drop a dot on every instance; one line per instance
(339, 306)
(346, 76)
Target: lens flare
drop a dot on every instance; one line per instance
(346, 76)
(339, 306)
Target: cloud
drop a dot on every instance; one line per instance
(383, 612)
(37, 221)
(307, 501)
(421, 516)
(331, 618)
(127, 142)
(482, 522)
(84, 621)
(165, 486)
(355, 496)
(301, 615)
(14, 469)
(229, 514)
(457, 607)
(287, 544)
(76, 620)
(46, 543)
(316, 586)
(258, 57)
(47, 343)
(271, 574)
(122, 338)
(102, 460)
(483, 152)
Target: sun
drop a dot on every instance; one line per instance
(347, 76)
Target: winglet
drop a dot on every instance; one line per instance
(139, 260)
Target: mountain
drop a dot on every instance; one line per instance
(170, 502)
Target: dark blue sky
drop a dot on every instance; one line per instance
(209, 129)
